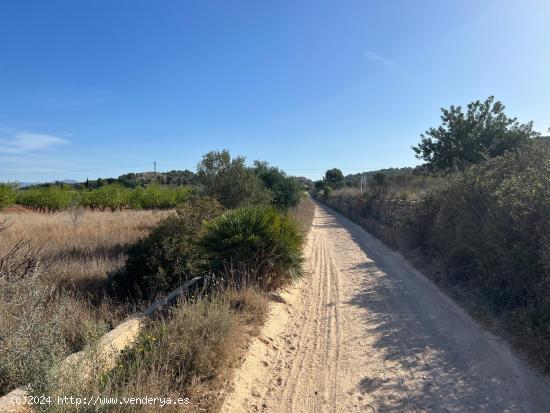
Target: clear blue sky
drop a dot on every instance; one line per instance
(100, 88)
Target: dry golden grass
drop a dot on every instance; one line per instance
(79, 250)
(59, 233)
(61, 306)
(303, 212)
(190, 354)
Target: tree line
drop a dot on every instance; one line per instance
(219, 175)
(111, 197)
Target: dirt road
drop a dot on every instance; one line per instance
(364, 332)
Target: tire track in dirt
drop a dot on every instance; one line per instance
(365, 332)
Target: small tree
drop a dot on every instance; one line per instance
(319, 185)
(286, 190)
(379, 180)
(462, 139)
(334, 178)
(230, 180)
(7, 195)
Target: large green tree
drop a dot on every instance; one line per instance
(334, 178)
(470, 137)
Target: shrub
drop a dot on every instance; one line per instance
(191, 354)
(303, 213)
(287, 192)
(30, 335)
(254, 245)
(230, 181)
(192, 345)
(7, 195)
(491, 225)
(169, 254)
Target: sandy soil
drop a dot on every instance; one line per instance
(365, 332)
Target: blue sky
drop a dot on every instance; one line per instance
(100, 88)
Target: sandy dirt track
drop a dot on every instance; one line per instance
(365, 332)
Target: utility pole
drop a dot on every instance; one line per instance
(155, 169)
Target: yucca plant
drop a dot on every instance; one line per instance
(255, 245)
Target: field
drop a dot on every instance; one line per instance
(62, 298)
(57, 297)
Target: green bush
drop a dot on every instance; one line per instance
(7, 195)
(254, 245)
(491, 224)
(169, 254)
(287, 192)
(230, 181)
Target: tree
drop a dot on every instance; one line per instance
(334, 178)
(7, 195)
(319, 185)
(462, 139)
(286, 190)
(230, 181)
(379, 178)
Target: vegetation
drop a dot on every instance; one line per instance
(170, 178)
(334, 178)
(490, 226)
(303, 213)
(7, 195)
(64, 290)
(463, 139)
(53, 279)
(169, 255)
(482, 234)
(230, 181)
(254, 246)
(189, 354)
(111, 197)
(286, 191)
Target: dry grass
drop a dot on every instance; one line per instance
(61, 306)
(411, 187)
(190, 354)
(303, 212)
(82, 251)
(59, 233)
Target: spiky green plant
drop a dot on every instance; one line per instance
(254, 245)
